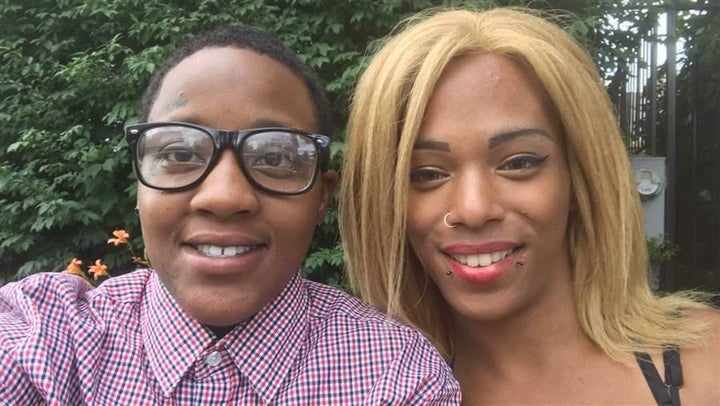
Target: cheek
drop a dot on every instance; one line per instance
(297, 229)
(549, 207)
(294, 223)
(160, 214)
(421, 225)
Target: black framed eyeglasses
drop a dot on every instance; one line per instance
(177, 156)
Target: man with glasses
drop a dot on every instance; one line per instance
(177, 156)
(232, 164)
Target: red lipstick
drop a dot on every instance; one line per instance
(466, 259)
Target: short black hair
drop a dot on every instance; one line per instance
(244, 37)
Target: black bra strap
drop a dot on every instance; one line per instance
(665, 393)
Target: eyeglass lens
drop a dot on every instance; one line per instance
(176, 156)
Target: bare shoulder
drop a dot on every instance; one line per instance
(701, 365)
(711, 319)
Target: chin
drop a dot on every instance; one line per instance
(223, 310)
(488, 311)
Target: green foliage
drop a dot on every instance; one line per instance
(71, 75)
(661, 250)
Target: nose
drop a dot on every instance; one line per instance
(225, 191)
(476, 200)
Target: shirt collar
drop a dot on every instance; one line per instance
(173, 339)
(263, 347)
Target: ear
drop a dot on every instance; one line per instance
(328, 181)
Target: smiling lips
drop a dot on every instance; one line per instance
(485, 259)
(481, 263)
(230, 251)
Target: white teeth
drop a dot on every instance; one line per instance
(216, 251)
(473, 260)
(486, 259)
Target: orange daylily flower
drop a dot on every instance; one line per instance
(73, 268)
(121, 237)
(99, 270)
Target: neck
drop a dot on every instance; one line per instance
(220, 331)
(535, 338)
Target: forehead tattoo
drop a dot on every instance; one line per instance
(177, 103)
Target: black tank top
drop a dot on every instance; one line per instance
(665, 393)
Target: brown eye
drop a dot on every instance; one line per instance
(179, 156)
(522, 162)
(422, 176)
(271, 158)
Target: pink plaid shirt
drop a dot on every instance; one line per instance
(128, 343)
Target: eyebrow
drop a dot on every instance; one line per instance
(493, 142)
(267, 122)
(259, 123)
(507, 136)
(434, 145)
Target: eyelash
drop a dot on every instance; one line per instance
(528, 161)
(421, 175)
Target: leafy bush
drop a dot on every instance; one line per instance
(71, 75)
(661, 250)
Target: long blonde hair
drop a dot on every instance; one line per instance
(616, 308)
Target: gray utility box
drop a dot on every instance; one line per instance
(650, 178)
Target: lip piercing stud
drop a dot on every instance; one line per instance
(448, 273)
(520, 263)
(446, 222)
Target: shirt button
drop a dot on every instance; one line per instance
(213, 359)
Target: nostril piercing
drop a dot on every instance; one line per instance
(445, 221)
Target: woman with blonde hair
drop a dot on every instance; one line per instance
(487, 200)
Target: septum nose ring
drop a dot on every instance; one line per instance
(445, 221)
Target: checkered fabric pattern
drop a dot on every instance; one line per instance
(127, 342)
